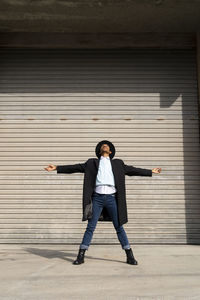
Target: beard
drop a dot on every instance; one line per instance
(104, 151)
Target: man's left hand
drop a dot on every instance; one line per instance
(156, 170)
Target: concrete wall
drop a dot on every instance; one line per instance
(198, 69)
(102, 16)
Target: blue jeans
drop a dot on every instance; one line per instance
(99, 201)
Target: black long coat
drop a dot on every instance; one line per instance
(90, 169)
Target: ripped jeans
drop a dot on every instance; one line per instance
(99, 201)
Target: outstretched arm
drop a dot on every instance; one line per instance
(133, 171)
(76, 168)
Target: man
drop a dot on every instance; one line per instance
(104, 194)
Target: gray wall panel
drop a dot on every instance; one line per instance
(55, 107)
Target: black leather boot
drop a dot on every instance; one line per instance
(130, 257)
(80, 257)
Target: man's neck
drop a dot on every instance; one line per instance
(104, 155)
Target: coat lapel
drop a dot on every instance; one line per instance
(114, 171)
(97, 162)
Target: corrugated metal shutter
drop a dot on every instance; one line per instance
(57, 104)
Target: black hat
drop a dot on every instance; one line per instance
(98, 147)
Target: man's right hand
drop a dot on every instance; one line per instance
(50, 168)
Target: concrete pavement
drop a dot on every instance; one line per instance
(46, 272)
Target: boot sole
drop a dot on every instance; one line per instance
(131, 263)
(79, 263)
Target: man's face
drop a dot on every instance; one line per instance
(105, 149)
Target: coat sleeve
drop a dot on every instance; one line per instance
(133, 171)
(76, 168)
